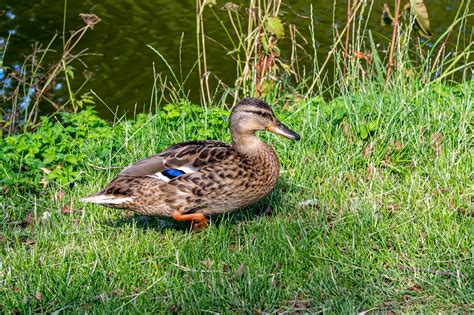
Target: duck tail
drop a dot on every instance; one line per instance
(106, 199)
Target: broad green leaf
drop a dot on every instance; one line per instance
(373, 125)
(70, 158)
(274, 26)
(266, 87)
(49, 157)
(364, 132)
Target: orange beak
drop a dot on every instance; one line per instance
(284, 131)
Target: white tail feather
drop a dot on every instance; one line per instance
(106, 199)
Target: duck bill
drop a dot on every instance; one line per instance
(284, 131)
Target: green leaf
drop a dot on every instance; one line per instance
(173, 114)
(169, 107)
(267, 87)
(69, 71)
(48, 158)
(377, 61)
(264, 43)
(274, 26)
(364, 132)
(373, 125)
(70, 158)
(339, 112)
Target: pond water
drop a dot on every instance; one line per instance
(122, 63)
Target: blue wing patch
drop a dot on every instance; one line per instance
(172, 173)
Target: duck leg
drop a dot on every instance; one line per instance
(199, 220)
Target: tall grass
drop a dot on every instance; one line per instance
(254, 33)
(263, 69)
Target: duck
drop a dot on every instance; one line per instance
(193, 180)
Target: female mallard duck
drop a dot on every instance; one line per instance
(191, 180)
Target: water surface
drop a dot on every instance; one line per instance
(123, 64)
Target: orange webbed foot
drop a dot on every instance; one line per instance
(198, 220)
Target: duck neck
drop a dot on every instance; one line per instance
(246, 143)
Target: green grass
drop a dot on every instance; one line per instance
(400, 239)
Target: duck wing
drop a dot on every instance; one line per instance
(180, 159)
(182, 170)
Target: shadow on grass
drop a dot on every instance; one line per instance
(263, 208)
(149, 223)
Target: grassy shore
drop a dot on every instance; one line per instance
(372, 213)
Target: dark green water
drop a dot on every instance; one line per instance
(123, 64)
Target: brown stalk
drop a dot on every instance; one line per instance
(393, 43)
(198, 42)
(203, 39)
(348, 27)
(201, 49)
(259, 52)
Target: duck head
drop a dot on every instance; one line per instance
(251, 115)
